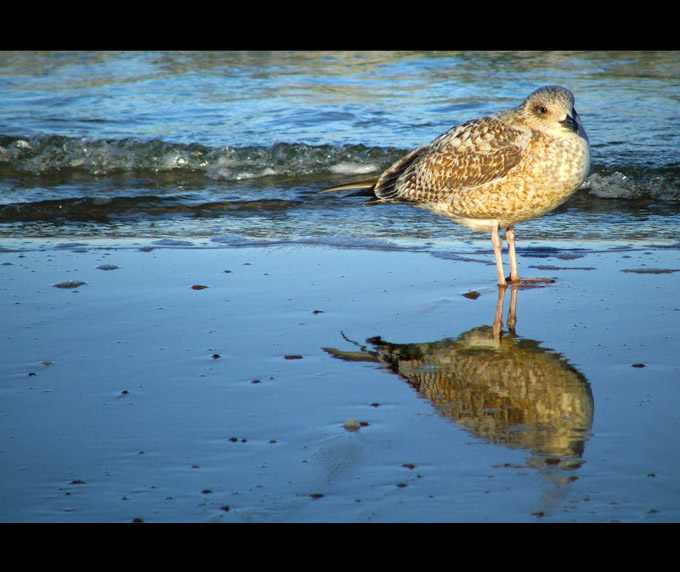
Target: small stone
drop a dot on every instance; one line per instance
(352, 425)
(69, 284)
(473, 295)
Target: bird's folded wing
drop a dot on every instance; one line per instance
(463, 158)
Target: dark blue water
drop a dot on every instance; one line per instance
(234, 147)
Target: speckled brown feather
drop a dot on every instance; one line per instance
(469, 155)
(493, 172)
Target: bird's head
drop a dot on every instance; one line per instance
(550, 109)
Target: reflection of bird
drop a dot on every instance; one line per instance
(495, 171)
(498, 386)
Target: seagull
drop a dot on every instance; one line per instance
(495, 171)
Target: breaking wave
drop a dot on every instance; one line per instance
(52, 154)
(55, 155)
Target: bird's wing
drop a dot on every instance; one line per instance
(466, 156)
(387, 187)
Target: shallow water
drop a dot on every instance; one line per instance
(135, 396)
(128, 178)
(203, 144)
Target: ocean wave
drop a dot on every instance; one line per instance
(662, 184)
(55, 155)
(50, 154)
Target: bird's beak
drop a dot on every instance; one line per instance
(570, 122)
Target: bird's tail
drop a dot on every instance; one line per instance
(366, 185)
(384, 189)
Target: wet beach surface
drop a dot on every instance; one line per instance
(176, 383)
(192, 333)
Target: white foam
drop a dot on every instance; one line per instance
(615, 185)
(347, 168)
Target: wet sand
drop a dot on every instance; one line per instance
(191, 384)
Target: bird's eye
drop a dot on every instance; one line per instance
(543, 110)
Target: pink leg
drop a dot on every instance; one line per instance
(510, 237)
(514, 274)
(497, 243)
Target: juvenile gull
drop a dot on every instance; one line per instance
(493, 172)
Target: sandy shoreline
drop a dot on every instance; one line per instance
(199, 384)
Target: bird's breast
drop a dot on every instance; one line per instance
(550, 171)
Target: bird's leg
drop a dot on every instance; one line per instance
(514, 274)
(510, 237)
(497, 244)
